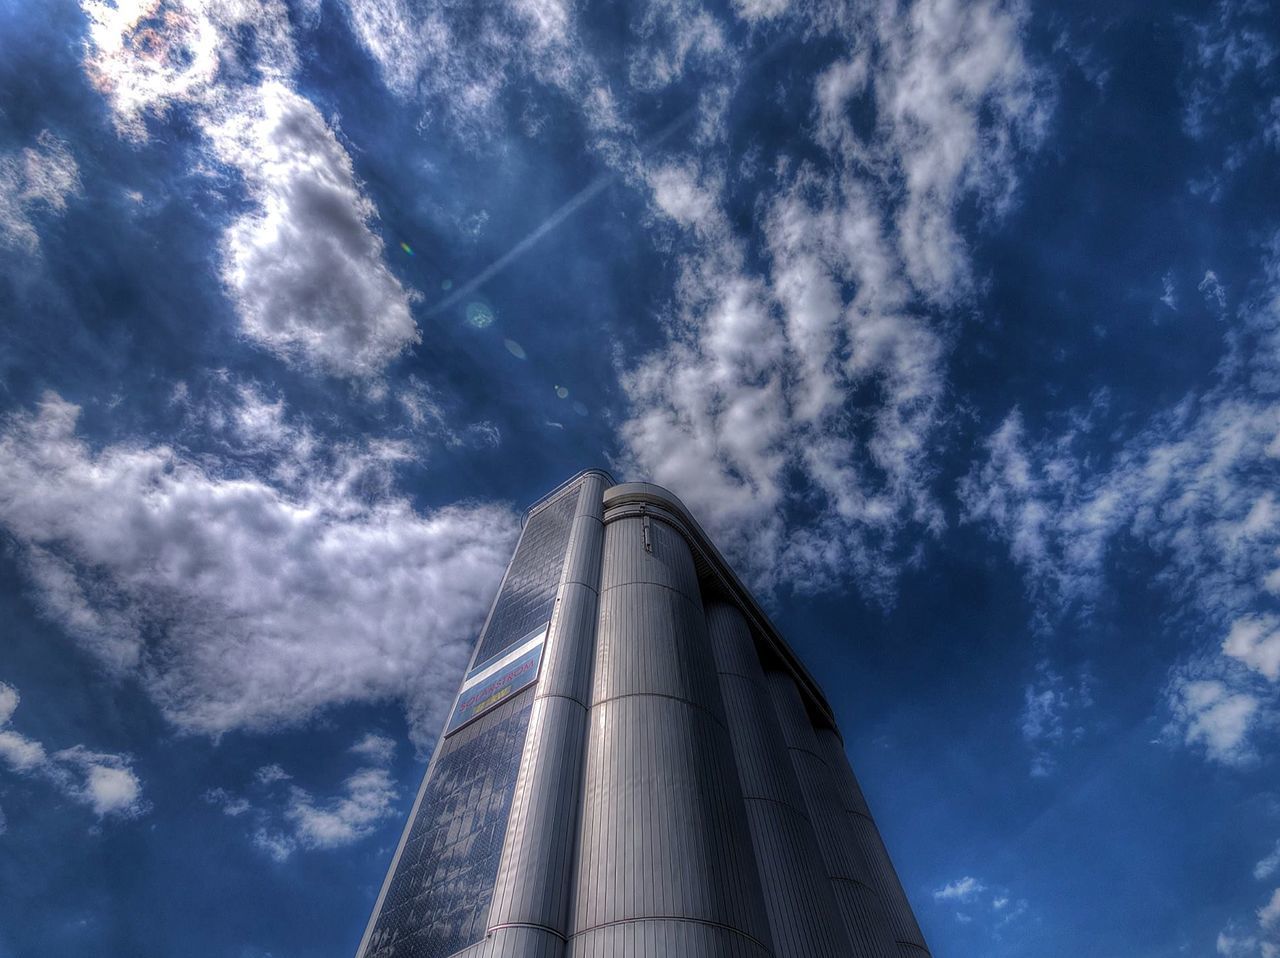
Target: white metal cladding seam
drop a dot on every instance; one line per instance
(804, 919)
(871, 934)
(884, 877)
(533, 887)
(665, 938)
(664, 839)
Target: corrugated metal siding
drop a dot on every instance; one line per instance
(665, 862)
(803, 916)
(870, 845)
(665, 938)
(668, 561)
(864, 915)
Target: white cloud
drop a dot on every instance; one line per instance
(303, 267)
(282, 820)
(795, 412)
(1050, 715)
(460, 64)
(1255, 641)
(366, 800)
(975, 900)
(378, 749)
(269, 774)
(33, 180)
(1269, 914)
(1268, 865)
(963, 890)
(1214, 292)
(104, 781)
(231, 805)
(1213, 715)
(1195, 485)
(242, 602)
(955, 98)
(1169, 297)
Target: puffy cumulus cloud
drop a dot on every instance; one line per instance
(304, 269)
(794, 409)
(303, 266)
(1196, 485)
(246, 602)
(36, 179)
(1212, 715)
(104, 781)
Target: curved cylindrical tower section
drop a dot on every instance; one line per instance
(864, 914)
(804, 920)
(664, 850)
(529, 916)
(906, 930)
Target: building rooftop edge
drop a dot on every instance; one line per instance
(647, 492)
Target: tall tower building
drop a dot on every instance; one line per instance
(636, 764)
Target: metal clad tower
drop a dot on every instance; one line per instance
(635, 766)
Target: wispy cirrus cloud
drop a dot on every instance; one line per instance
(282, 818)
(1196, 485)
(38, 179)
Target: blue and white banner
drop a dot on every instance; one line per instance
(492, 683)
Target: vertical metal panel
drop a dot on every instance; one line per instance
(804, 919)
(866, 921)
(665, 861)
(667, 562)
(535, 877)
(884, 878)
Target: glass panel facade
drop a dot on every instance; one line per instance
(529, 592)
(438, 901)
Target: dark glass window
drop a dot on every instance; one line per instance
(438, 901)
(529, 592)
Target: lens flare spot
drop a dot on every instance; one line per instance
(480, 315)
(514, 348)
(579, 407)
(446, 285)
(407, 248)
(562, 392)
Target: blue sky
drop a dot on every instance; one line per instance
(956, 324)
